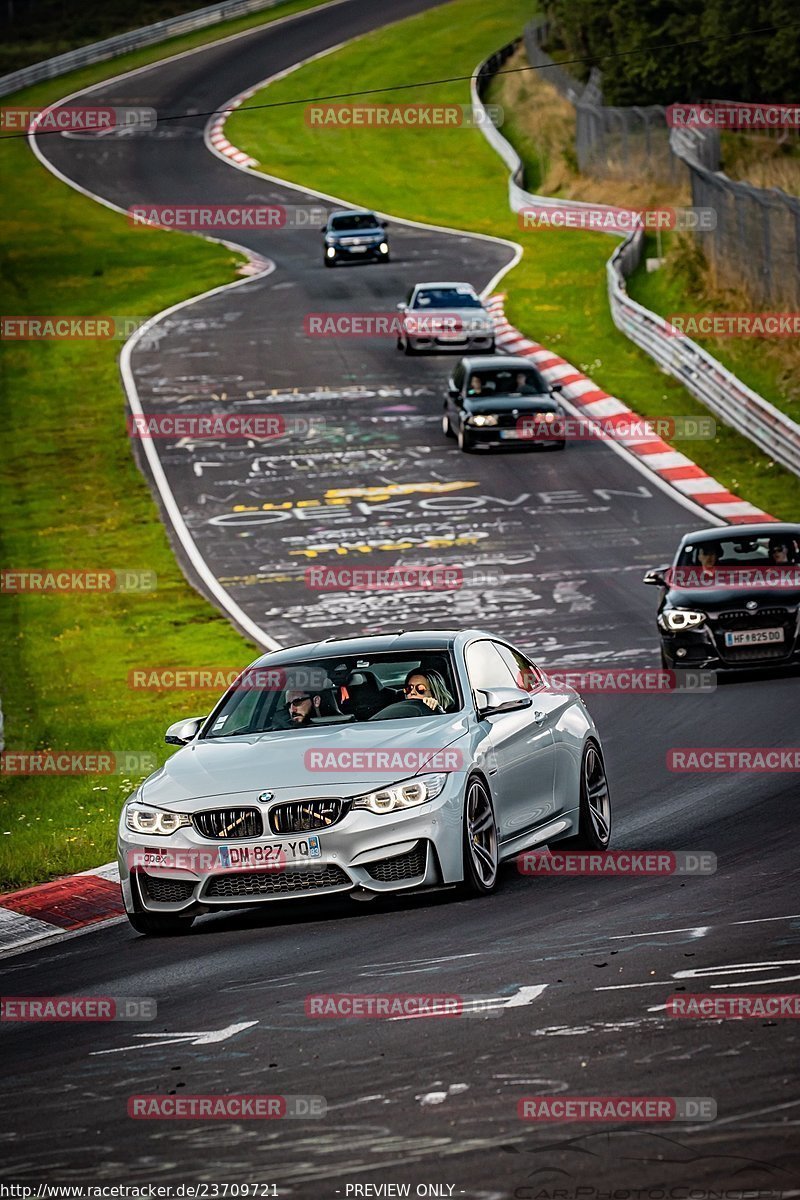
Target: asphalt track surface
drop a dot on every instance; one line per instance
(423, 1102)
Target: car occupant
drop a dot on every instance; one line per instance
(778, 551)
(521, 385)
(708, 558)
(301, 707)
(430, 688)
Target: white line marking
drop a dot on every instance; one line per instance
(695, 930)
(616, 937)
(195, 1039)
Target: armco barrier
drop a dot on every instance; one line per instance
(135, 39)
(706, 378)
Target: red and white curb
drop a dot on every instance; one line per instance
(218, 139)
(65, 906)
(652, 452)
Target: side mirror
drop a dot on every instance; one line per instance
(556, 387)
(183, 731)
(656, 576)
(501, 700)
(383, 224)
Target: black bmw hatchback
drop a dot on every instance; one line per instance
(731, 598)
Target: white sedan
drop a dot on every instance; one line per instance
(444, 316)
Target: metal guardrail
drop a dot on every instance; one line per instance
(135, 39)
(721, 391)
(756, 240)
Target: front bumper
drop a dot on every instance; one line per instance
(356, 253)
(418, 847)
(477, 342)
(704, 647)
(492, 435)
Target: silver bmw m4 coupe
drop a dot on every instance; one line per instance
(364, 766)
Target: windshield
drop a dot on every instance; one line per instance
(768, 550)
(526, 381)
(455, 297)
(336, 691)
(354, 221)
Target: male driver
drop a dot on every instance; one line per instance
(301, 707)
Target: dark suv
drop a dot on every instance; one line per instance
(353, 236)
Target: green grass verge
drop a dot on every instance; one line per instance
(766, 365)
(52, 89)
(40, 31)
(71, 497)
(452, 177)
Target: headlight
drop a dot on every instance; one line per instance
(402, 795)
(482, 419)
(140, 819)
(384, 248)
(676, 619)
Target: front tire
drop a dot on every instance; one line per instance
(594, 810)
(447, 428)
(329, 262)
(160, 924)
(480, 841)
(465, 442)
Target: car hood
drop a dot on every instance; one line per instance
(520, 404)
(240, 768)
(714, 599)
(375, 231)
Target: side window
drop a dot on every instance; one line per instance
(526, 675)
(486, 668)
(458, 376)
